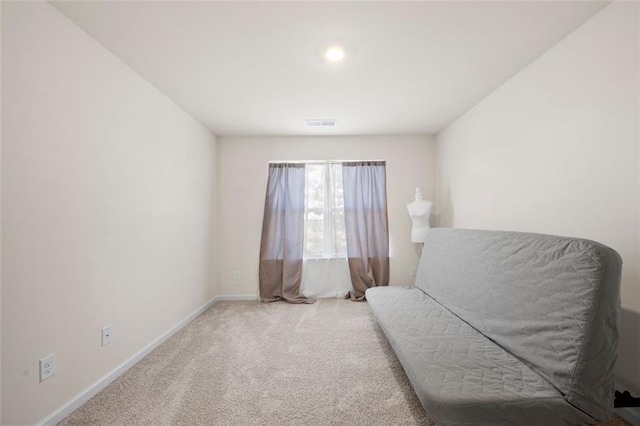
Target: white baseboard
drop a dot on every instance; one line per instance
(630, 414)
(92, 390)
(622, 385)
(232, 297)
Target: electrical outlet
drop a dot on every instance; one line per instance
(236, 275)
(47, 367)
(414, 271)
(106, 335)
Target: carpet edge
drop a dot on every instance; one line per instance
(74, 403)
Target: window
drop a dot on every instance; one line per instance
(324, 211)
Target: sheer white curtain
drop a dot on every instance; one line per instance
(325, 271)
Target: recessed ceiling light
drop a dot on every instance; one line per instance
(335, 53)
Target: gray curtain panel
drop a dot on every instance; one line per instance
(366, 222)
(283, 235)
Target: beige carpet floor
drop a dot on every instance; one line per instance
(249, 363)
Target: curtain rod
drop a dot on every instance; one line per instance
(321, 161)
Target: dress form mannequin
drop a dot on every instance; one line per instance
(419, 211)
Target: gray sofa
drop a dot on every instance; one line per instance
(507, 328)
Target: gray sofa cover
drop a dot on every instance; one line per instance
(507, 328)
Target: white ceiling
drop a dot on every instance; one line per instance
(256, 68)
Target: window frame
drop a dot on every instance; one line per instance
(328, 212)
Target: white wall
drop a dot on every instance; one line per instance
(242, 182)
(0, 221)
(555, 150)
(106, 198)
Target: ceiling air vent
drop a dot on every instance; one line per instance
(321, 123)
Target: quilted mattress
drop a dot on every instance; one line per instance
(506, 328)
